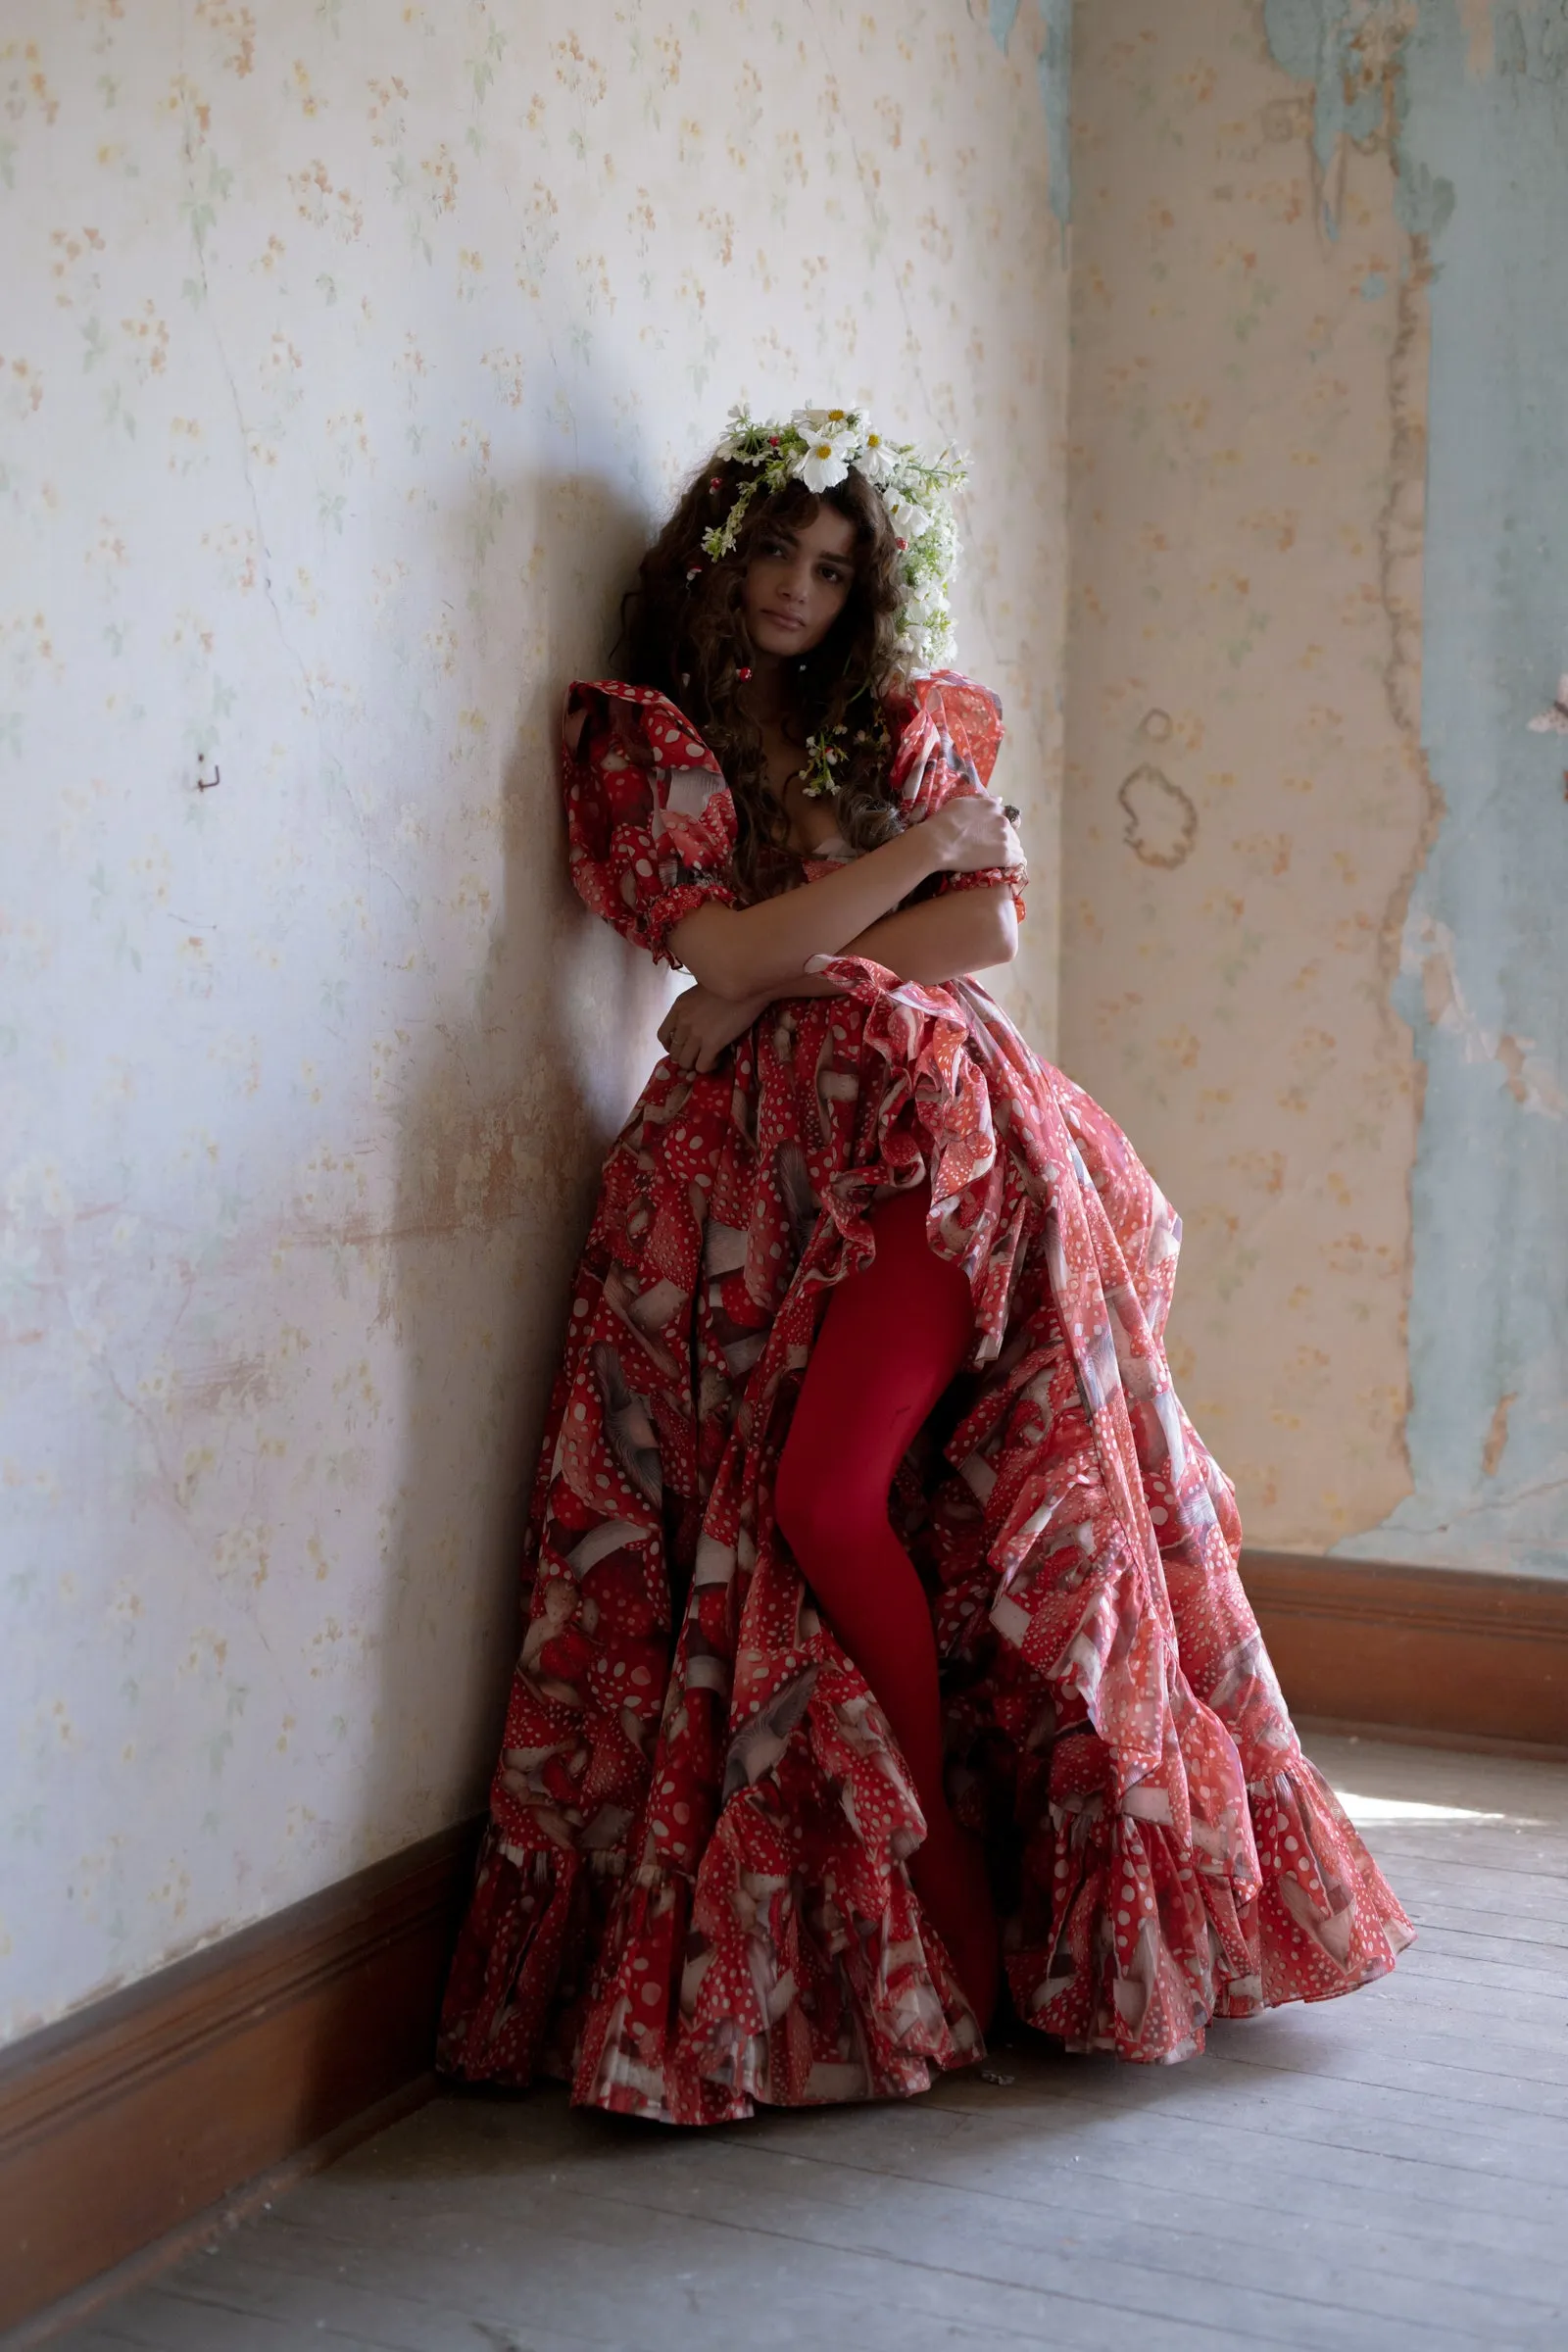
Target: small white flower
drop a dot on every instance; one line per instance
(822, 464)
(827, 424)
(875, 460)
(909, 519)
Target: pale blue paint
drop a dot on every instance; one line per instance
(1483, 171)
(1374, 286)
(1054, 71)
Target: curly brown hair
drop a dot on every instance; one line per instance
(683, 632)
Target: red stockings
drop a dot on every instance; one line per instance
(891, 1339)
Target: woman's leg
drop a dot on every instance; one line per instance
(891, 1340)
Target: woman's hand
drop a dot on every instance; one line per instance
(971, 832)
(699, 1026)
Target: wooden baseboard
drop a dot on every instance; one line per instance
(131, 2120)
(1462, 1660)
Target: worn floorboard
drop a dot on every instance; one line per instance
(1389, 2171)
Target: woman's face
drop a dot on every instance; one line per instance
(797, 584)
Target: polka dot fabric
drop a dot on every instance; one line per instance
(692, 1894)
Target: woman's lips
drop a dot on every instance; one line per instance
(783, 620)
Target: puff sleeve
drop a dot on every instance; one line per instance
(948, 731)
(649, 821)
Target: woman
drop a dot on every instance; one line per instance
(883, 1613)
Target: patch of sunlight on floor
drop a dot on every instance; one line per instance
(1364, 1810)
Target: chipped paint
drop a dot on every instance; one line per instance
(1053, 69)
(1491, 1453)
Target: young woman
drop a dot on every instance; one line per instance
(884, 1635)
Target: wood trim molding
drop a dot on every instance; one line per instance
(123, 2123)
(1464, 1659)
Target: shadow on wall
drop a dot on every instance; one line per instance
(528, 1065)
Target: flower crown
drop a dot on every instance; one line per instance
(818, 447)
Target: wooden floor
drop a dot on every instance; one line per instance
(1388, 2171)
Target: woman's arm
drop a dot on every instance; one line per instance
(763, 950)
(942, 939)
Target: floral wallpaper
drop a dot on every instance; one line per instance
(1248, 799)
(349, 351)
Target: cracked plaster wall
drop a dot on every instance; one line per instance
(1313, 858)
(348, 352)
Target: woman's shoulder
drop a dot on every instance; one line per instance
(944, 712)
(631, 718)
(951, 695)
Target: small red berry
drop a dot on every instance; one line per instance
(742, 675)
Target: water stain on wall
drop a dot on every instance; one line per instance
(1161, 819)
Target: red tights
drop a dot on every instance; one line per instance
(891, 1339)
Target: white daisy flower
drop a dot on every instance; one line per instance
(822, 464)
(827, 425)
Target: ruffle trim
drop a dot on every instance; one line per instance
(1165, 1883)
(927, 1040)
(1149, 1940)
(775, 1977)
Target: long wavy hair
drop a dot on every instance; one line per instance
(683, 632)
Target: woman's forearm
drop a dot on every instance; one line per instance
(945, 938)
(941, 939)
(763, 951)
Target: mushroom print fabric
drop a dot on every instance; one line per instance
(692, 1894)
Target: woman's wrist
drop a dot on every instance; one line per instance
(915, 853)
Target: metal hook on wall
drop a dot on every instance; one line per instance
(206, 783)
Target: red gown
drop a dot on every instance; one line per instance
(692, 1892)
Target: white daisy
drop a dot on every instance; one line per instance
(822, 462)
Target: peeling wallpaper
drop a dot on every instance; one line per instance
(1484, 977)
(348, 353)
(1314, 858)
(1054, 68)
